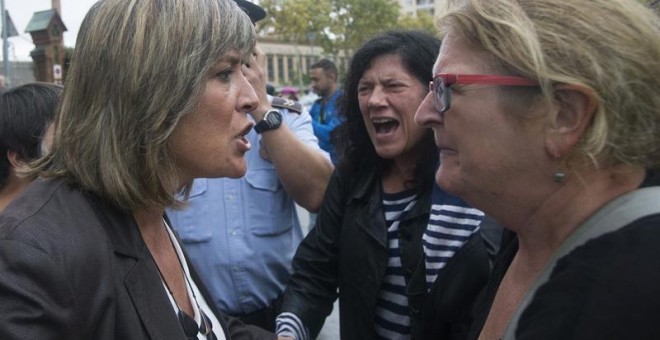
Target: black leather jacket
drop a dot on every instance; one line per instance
(346, 253)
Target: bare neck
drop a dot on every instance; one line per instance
(14, 187)
(545, 228)
(158, 241)
(400, 174)
(328, 95)
(543, 231)
(150, 223)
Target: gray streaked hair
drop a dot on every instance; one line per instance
(138, 67)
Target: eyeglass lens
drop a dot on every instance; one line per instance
(441, 92)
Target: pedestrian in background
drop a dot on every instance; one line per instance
(25, 113)
(325, 117)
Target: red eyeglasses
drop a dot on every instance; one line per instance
(442, 82)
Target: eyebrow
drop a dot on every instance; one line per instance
(230, 59)
(233, 59)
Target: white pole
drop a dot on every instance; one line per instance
(5, 44)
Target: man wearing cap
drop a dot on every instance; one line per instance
(241, 234)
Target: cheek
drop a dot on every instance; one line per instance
(362, 103)
(408, 109)
(364, 110)
(493, 151)
(218, 113)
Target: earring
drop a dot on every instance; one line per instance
(559, 176)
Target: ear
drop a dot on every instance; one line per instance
(575, 107)
(15, 160)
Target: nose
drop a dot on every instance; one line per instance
(426, 114)
(377, 97)
(247, 98)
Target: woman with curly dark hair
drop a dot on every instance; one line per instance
(377, 244)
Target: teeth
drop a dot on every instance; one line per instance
(382, 120)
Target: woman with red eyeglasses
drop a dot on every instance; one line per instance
(547, 117)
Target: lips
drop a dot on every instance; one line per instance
(241, 137)
(442, 147)
(383, 126)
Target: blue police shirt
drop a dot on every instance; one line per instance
(241, 234)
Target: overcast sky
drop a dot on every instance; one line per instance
(20, 11)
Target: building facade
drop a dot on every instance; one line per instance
(412, 7)
(288, 64)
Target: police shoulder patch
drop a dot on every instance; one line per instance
(283, 103)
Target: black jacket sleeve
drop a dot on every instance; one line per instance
(313, 286)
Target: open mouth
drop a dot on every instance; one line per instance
(385, 125)
(242, 135)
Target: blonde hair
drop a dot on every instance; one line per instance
(138, 67)
(611, 47)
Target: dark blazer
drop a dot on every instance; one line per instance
(347, 252)
(75, 267)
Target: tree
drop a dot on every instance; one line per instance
(294, 20)
(424, 21)
(335, 25)
(358, 20)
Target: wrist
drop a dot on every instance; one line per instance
(271, 120)
(259, 112)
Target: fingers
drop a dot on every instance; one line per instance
(254, 69)
(259, 57)
(254, 72)
(263, 151)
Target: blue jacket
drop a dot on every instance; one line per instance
(325, 119)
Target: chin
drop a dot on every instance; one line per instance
(237, 173)
(388, 153)
(447, 183)
(233, 170)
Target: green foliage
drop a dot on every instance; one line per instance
(424, 21)
(292, 20)
(343, 25)
(335, 25)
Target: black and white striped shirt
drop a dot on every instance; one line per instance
(452, 222)
(392, 312)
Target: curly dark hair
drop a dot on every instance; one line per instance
(26, 112)
(418, 51)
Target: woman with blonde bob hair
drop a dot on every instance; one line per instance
(156, 96)
(547, 117)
